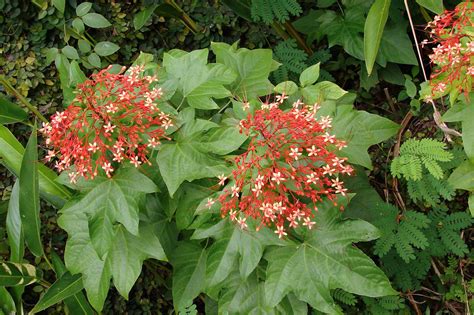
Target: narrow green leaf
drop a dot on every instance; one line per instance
(435, 6)
(14, 274)
(63, 288)
(60, 5)
(373, 30)
(105, 48)
(10, 112)
(189, 271)
(13, 225)
(11, 153)
(143, 16)
(83, 8)
(76, 304)
(7, 304)
(310, 75)
(95, 20)
(471, 204)
(29, 196)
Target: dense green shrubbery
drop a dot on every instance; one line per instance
(417, 238)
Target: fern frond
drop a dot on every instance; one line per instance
(293, 58)
(391, 303)
(430, 189)
(417, 219)
(344, 297)
(292, 6)
(431, 148)
(417, 237)
(322, 56)
(414, 153)
(453, 242)
(269, 11)
(457, 221)
(404, 248)
(384, 244)
(433, 167)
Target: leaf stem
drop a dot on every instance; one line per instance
(9, 88)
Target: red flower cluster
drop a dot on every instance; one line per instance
(454, 51)
(112, 119)
(290, 161)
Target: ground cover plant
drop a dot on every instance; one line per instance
(237, 157)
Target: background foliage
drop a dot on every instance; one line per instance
(418, 201)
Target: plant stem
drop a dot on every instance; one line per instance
(9, 88)
(294, 33)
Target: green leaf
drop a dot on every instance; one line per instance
(75, 74)
(78, 25)
(198, 82)
(14, 227)
(10, 112)
(240, 7)
(84, 46)
(105, 48)
(63, 65)
(185, 161)
(222, 140)
(11, 153)
(83, 8)
(346, 31)
(252, 67)
(14, 274)
(29, 199)
(287, 87)
(94, 60)
(463, 176)
(396, 46)
(67, 285)
(76, 304)
(310, 75)
(122, 262)
(7, 304)
(373, 30)
(60, 5)
(70, 52)
(95, 20)
(435, 6)
(189, 271)
(471, 204)
(410, 87)
(326, 261)
(143, 16)
(361, 130)
(111, 201)
(468, 131)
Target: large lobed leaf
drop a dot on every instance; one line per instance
(106, 238)
(326, 261)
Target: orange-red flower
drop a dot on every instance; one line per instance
(114, 118)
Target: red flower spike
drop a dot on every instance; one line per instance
(291, 156)
(454, 50)
(113, 119)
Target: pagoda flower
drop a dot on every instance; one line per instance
(113, 119)
(290, 157)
